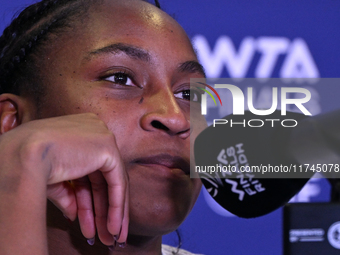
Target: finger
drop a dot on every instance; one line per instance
(125, 225)
(62, 196)
(100, 201)
(83, 193)
(117, 183)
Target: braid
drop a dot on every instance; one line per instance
(25, 33)
(157, 4)
(22, 38)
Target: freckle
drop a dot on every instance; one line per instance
(78, 107)
(114, 111)
(74, 71)
(172, 31)
(60, 75)
(141, 100)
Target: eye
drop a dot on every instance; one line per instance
(189, 94)
(120, 78)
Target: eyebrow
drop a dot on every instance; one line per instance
(129, 50)
(141, 54)
(191, 67)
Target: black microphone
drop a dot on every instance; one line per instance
(252, 165)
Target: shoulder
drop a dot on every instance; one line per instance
(169, 250)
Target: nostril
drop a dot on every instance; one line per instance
(159, 125)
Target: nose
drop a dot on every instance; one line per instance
(164, 114)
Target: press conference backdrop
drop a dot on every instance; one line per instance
(244, 38)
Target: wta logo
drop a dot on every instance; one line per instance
(204, 98)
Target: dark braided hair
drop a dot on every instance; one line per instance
(22, 39)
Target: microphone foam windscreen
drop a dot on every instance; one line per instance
(245, 163)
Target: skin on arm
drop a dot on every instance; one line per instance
(65, 148)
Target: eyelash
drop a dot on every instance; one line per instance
(126, 76)
(195, 97)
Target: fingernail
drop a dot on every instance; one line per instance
(118, 236)
(91, 241)
(67, 218)
(122, 245)
(111, 248)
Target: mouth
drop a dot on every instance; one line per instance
(166, 160)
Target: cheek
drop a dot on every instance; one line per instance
(123, 121)
(65, 98)
(198, 124)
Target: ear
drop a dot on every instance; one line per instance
(14, 110)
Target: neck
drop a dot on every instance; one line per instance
(65, 237)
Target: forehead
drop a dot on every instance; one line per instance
(123, 14)
(128, 22)
(138, 23)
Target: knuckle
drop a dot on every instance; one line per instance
(91, 115)
(34, 149)
(111, 137)
(100, 122)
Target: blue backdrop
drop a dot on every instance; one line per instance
(243, 38)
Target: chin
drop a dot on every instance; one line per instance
(157, 223)
(159, 214)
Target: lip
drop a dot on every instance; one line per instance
(166, 160)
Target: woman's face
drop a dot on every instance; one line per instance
(131, 64)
